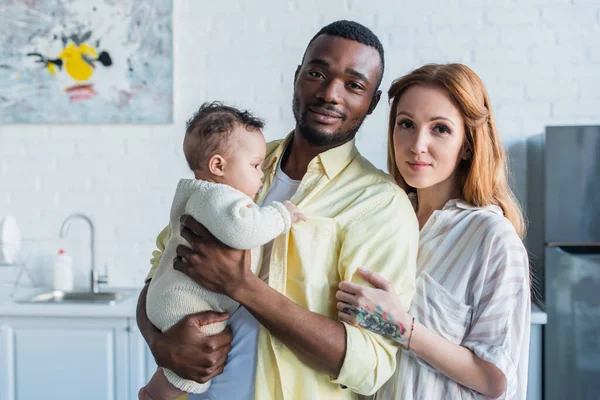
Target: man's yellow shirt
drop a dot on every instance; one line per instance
(356, 217)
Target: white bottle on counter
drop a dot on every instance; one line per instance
(63, 272)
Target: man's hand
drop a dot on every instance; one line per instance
(184, 348)
(191, 353)
(210, 263)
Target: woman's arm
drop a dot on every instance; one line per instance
(379, 310)
(457, 362)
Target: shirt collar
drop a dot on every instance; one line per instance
(272, 159)
(333, 160)
(461, 204)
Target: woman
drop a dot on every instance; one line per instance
(466, 334)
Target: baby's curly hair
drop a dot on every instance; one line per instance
(208, 132)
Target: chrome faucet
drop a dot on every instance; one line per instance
(95, 279)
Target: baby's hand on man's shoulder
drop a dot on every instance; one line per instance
(295, 212)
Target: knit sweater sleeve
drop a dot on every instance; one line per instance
(234, 219)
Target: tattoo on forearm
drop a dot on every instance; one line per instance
(378, 321)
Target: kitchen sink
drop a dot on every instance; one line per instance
(58, 296)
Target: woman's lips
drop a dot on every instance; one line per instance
(418, 167)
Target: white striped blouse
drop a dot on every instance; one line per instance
(472, 288)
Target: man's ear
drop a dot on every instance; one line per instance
(374, 102)
(216, 165)
(296, 73)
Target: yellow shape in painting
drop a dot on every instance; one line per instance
(52, 68)
(75, 64)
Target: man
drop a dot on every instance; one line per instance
(357, 217)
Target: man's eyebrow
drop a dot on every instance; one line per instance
(319, 61)
(357, 74)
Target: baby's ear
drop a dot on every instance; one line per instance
(216, 165)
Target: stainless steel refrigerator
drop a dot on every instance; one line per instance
(564, 238)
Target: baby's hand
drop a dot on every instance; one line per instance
(295, 212)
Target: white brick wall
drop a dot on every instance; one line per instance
(540, 60)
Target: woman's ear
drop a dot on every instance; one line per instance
(466, 152)
(216, 165)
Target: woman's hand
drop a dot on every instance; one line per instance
(377, 309)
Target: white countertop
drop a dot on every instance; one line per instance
(538, 316)
(122, 309)
(13, 308)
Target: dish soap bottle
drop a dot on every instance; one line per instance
(63, 272)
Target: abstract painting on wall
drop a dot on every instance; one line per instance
(86, 61)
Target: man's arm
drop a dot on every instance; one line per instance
(148, 330)
(314, 338)
(318, 341)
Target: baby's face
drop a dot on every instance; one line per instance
(243, 164)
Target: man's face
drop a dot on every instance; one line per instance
(334, 89)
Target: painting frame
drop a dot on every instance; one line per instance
(86, 62)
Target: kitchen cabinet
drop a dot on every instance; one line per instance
(142, 361)
(72, 358)
(534, 379)
(64, 358)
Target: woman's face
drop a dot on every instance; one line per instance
(428, 138)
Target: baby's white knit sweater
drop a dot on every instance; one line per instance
(234, 219)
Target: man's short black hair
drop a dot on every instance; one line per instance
(208, 132)
(352, 31)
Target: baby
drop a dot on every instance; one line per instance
(225, 148)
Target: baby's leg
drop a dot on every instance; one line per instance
(159, 388)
